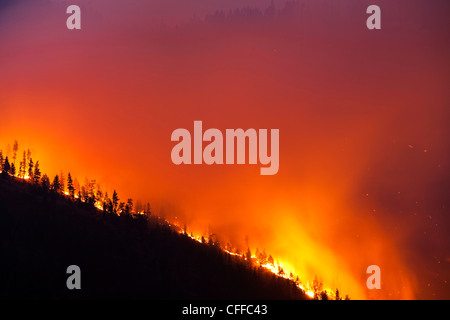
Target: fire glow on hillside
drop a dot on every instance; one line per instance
(261, 261)
(363, 117)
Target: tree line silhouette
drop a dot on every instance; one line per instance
(60, 191)
(90, 194)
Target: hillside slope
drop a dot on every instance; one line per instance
(41, 234)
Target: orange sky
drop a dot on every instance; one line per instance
(356, 111)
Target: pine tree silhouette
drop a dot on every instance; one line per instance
(6, 167)
(1, 160)
(15, 149)
(56, 185)
(70, 186)
(37, 173)
(45, 182)
(115, 201)
(30, 169)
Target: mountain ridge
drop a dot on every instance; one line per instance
(131, 257)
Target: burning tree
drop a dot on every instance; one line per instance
(270, 261)
(22, 166)
(248, 255)
(37, 173)
(30, 169)
(70, 186)
(337, 294)
(92, 196)
(280, 270)
(15, 149)
(317, 287)
(12, 171)
(62, 182)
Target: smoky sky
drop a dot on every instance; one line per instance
(363, 118)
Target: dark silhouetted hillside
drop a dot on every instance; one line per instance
(42, 233)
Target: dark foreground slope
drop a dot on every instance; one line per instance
(41, 234)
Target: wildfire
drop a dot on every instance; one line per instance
(274, 267)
